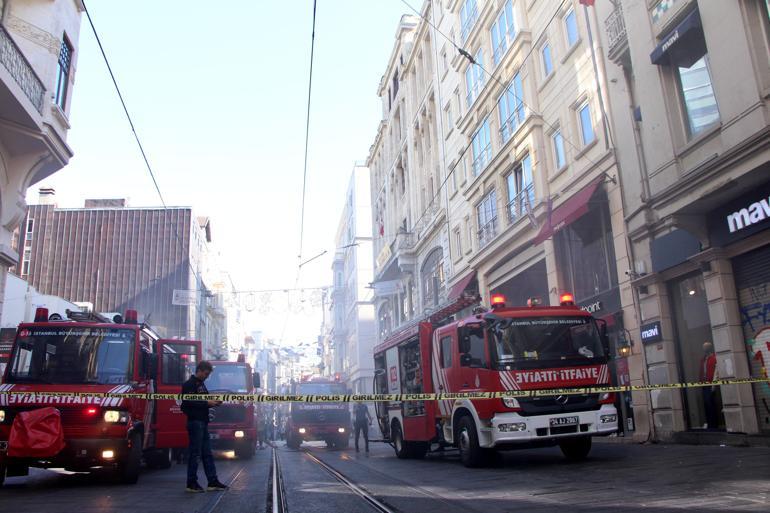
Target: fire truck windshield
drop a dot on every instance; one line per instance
(517, 341)
(72, 355)
(229, 378)
(322, 389)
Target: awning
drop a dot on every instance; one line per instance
(688, 28)
(459, 287)
(568, 212)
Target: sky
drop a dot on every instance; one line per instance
(218, 98)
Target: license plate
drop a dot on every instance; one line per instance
(564, 421)
(214, 436)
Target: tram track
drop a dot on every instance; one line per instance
(277, 493)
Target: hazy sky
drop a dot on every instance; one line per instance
(217, 91)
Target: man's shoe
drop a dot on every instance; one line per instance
(195, 488)
(216, 486)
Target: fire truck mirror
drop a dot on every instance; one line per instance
(256, 380)
(465, 360)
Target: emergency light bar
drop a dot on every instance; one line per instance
(131, 317)
(41, 315)
(567, 300)
(498, 301)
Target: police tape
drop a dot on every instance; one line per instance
(32, 396)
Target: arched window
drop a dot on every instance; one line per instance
(385, 319)
(432, 278)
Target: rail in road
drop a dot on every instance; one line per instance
(277, 502)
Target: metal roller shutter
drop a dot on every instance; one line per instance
(752, 279)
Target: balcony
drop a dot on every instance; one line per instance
(20, 70)
(521, 204)
(615, 25)
(488, 232)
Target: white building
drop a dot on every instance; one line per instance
(352, 325)
(38, 59)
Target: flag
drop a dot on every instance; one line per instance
(589, 3)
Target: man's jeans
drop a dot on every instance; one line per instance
(200, 448)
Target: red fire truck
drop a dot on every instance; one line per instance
(233, 425)
(319, 421)
(529, 348)
(90, 353)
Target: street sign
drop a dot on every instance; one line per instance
(183, 297)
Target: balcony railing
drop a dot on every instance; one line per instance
(521, 203)
(21, 70)
(615, 25)
(488, 232)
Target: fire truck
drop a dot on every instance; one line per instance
(329, 422)
(88, 352)
(501, 349)
(233, 425)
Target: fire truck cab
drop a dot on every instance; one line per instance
(329, 422)
(90, 353)
(501, 349)
(233, 425)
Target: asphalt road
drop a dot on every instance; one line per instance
(617, 477)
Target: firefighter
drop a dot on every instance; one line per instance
(198, 431)
(363, 419)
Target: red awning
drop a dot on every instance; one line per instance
(460, 286)
(568, 212)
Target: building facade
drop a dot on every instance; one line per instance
(689, 85)
(38, 59)
(510, 180)
(351, 330)
(154, 260)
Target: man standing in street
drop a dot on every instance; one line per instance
(363, 420)
(198, 431)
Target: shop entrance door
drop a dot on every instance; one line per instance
(703, 409)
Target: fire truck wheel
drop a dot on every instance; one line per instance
(399, 445)
(245, 451)
(576, 449)
(159, 459)
(292, 442)
(468, 442)
(129, 468)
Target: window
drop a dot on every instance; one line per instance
(448, 117)
(433, 278)
(570, 25)
(469, 232)
(503, 32)
(474, 78)
(30, 230)
(458, 243)
(63, 73)
(444, 61)
(511, 108)
(558, 150)
(458, 105)
(446, 352)
(477, 347)
(545, 53)
(521, 192)
(486, 212)
(26, 262)
(385, 317)
(482, 148)
(468, 16)
(586, 125)
(589, 239)
(700, 104)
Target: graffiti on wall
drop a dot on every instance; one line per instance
(759, 351)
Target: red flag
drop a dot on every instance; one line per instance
(589, 3)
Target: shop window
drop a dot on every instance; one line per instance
(589, 239)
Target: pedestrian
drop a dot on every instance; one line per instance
(262, 429)
(198, 431)
(363, 419)
(708, 373)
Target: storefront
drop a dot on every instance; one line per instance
(742, 228)
(532, 282)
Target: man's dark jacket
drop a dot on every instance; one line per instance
(195, 410)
